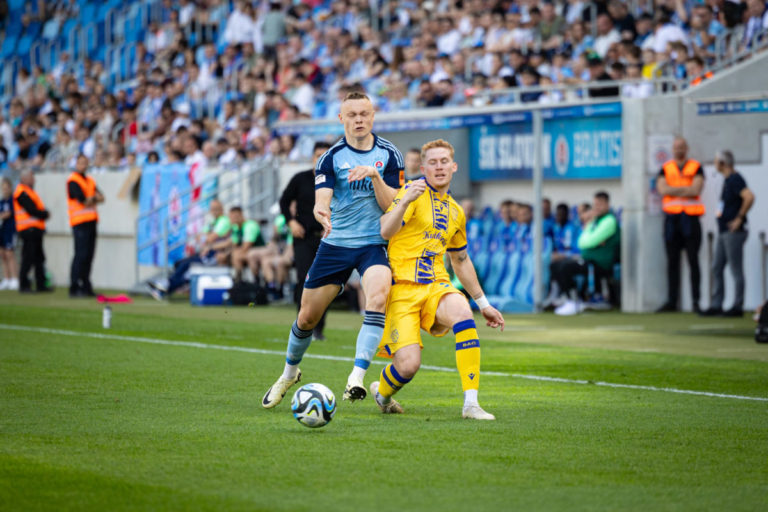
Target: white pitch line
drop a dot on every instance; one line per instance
(620, 328)
(194, 344)
(709, 327)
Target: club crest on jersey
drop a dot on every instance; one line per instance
(379, 164)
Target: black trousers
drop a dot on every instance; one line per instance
(85, 246)
(682, 233)
(304, 251)
(565, 271)
(32, 256)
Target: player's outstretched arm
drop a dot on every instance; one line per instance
(465, 271)
(383, 192)
(322, 209)
(392, 221)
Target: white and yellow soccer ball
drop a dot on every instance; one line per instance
(313, 405)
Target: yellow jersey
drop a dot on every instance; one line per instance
(433, 224)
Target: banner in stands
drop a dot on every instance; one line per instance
(173, 190)
(580, 143)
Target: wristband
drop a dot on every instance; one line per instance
(482, 302)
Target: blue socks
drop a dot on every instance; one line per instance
(368, 339)
(298, 343)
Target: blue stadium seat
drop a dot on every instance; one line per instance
(498, 268)
(25, 43)
(507, 285)
(9, 45)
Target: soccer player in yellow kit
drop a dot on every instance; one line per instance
(422, 223)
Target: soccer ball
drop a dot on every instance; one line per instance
(313, 405)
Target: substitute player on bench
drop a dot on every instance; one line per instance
(422, 223)
(355, 181)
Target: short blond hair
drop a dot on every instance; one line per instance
(439, 143)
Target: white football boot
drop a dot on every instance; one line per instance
(393, 407)
(275, 394)
(355, 390)
(475, 412)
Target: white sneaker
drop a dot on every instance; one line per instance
(475, 412)
(13, 284)
(392, 407)
(275, 394)
(355, 390)
(4, 284)
(569, 308)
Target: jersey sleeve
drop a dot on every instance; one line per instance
(251, 230)
(399, 197)
(394, 172)
(325, 176)
(222, 226)
(458, 241)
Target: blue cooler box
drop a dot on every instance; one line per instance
(209, 286)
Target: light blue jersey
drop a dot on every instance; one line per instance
(355, 213)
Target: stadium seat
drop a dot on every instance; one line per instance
(9, 45)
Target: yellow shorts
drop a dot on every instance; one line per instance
(411, 306)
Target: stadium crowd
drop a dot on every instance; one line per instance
(207, 84)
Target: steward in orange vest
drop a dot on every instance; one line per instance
(30, 215)
(82, 198)
(680, 182)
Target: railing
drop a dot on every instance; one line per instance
(576, 92)
(253, 186)
(729, 51)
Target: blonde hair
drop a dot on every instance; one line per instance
(439, 143)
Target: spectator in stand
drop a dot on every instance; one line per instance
(597, 73)
(735, 201)
(8, 237)
(757, 10)
(606, 35)
(412, 164)
(694, 68)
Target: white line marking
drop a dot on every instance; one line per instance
(620, 328)
(194, 344)
(709, 327)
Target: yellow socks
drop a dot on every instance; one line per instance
(467, 354)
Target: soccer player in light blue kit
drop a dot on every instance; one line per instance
(355, 182)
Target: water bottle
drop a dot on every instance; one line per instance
(106, 317)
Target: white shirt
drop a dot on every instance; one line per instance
(603, 43)
(667, 34)
(637, 90)
(304, 98)
(186, 13)
(239, 29)
(448, 43)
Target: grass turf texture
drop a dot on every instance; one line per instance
(112, 424)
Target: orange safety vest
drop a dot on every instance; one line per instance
(674, 204)
(23, 219)
(701, 78)
(78, 212)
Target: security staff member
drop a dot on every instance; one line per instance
(680, 182)
(83, 196)
(30, 215)
(307, 232)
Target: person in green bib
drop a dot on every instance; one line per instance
(216, 230)
(245, 234)
(600, 246)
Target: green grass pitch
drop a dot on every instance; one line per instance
(112, 420)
